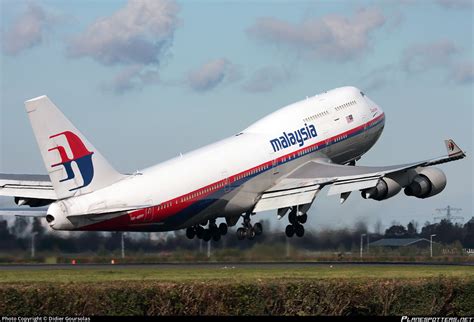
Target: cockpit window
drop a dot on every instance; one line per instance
(362, 93)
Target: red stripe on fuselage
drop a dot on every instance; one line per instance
(171, 207)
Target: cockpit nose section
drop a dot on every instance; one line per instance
(374, 108)
(56, 216)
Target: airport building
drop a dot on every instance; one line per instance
(401, 242)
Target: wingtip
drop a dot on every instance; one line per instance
(453, 149)
(36, 99)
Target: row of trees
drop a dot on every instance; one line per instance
(446, 232)
(18, 237)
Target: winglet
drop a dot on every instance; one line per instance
(453, 149)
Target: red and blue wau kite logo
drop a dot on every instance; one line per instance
(80, 155)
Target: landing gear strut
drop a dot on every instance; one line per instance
(248, 230)
(213, 231)
(296, 223)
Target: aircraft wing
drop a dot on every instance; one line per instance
(314, 175)
(29, 186)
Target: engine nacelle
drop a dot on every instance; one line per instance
(428, 182)
(385, 188)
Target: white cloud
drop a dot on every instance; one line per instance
(462, 73)
(456, 4)
(266, 79)
(131, 78)
(137, 36)
(440, 55)
(27, 30)
(138, 33)
(332, 36)
(424, 56)
(211, 74)
(379, 77)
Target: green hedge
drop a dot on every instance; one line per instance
(432, 296)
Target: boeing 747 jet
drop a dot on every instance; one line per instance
(279, 163)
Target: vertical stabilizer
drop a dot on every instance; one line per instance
(73, 163)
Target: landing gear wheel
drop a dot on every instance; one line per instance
(216, 236)
(303, 218)
(199, 232)
(292, 216)
(290, 231)
(251, 233)
(258, 228)
(299, 230)
(223, 228)
(190, 232)
(206, 235)
(240, 233)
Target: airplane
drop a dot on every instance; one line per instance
(281, 162)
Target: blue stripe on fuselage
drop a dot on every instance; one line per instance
(197, 207)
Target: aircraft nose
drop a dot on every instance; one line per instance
(373, 107)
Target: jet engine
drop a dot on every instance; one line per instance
(385, 188)
(428, 182)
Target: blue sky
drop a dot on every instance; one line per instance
(147, 80)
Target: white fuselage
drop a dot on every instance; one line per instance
(228, 177)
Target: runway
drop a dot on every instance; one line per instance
(216, 265)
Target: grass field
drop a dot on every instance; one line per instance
(336, 289)
(232, 274)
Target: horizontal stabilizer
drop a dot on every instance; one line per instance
(23, 213)
(27, 186)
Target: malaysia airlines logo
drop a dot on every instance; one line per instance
(451, 145)
(80, 155)
(295, 137)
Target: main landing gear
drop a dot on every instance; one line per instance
(296, 223)
(248, 230)
(213, 231)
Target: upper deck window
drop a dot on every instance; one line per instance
(362, 93)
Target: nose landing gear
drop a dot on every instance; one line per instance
(248, 230)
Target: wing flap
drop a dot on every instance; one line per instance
(286, 198)
(339, 188)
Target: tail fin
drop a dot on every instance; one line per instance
(74, 165)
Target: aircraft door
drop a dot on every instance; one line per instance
(227, 187)
(327, 143)
(148, 212)
(275, 167)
